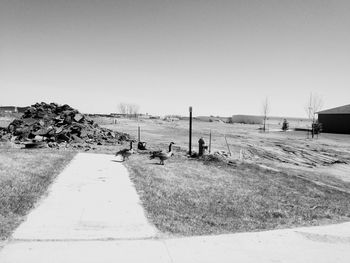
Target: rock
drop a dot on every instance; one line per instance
(59, 130)
(43, 131)
(52, 145)
(78, 117)
(83, 134)
(68, 120)
(40, 113)
(76, 139)
(22, 131)
(29, 121)
(38, 138)
(63, 138)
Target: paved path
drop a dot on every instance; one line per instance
(93, 198)
(93, 214)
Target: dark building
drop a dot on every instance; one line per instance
(336, 120)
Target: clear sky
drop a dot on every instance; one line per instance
(221, 57)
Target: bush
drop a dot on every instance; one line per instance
(317, 127)
(285, 125)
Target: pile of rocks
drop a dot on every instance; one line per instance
(60, 124)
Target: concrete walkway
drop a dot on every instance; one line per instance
(93, 214)
(93, 198)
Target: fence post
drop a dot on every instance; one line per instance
(210, 141)
(138, 133)
(190, 133)
(228, 147)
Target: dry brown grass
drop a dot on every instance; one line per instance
(24, 177)
(189, 197)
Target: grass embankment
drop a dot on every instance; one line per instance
(190, 197)
(24, 177)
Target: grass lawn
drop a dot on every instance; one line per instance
(190, 197)
(24, 177)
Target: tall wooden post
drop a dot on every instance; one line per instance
(190, 133)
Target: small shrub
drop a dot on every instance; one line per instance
(285, 125)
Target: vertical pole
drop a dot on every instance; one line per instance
(210, 141)
(139, 136)
(190, 133)
(228, 147)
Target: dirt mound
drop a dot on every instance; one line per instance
(58, 125)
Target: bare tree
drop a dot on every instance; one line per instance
(265, 111)
(128, 109)
(122, 107)
(313, 106)
(134, 109)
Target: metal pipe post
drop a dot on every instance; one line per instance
(228, 147)
(190, 133)
(210, 141)
(139, 135)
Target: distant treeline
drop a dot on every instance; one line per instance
(246, 119)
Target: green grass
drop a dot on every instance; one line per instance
(190, 197)
(24, 177)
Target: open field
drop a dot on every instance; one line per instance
(24, 177)
(273, 122)
(301, 183)
(158, 134)
(273, 180)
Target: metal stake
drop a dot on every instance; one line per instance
(139, 136)
(210, 141)
(228, 147)
(190, 133)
